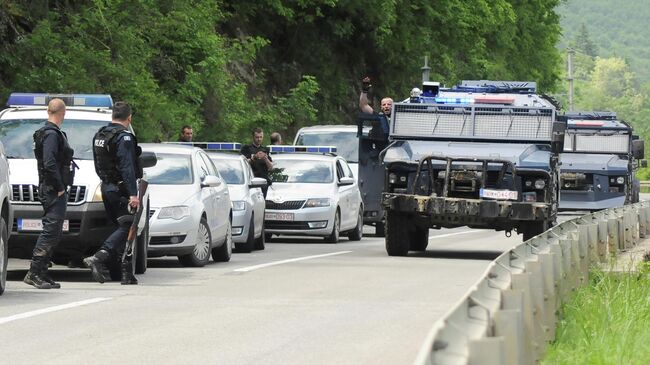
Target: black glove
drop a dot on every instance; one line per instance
(365, 84)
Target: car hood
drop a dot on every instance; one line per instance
(522, 155)
(25, 171)
(170, 195)
(279, 192)
(593, 163)
(237, 192)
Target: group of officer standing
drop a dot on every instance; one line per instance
(116, 155)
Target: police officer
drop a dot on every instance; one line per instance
(55, 174)
(116, 153)
(386, 106)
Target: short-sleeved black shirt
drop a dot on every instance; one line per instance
(258, 166)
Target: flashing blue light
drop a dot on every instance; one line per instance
(308, 149)
(442, 100)
(78, 100)
(213, 146)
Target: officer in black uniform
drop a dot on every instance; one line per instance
(258, 157)
(386, 106)
(55, 174)
(116, 153)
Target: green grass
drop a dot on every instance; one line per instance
(607, 322)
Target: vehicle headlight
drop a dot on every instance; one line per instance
(392, 178)
(620, 180)
(238, 205)
(97, 196)
(540, 184)
(178, 212)
(319, 202)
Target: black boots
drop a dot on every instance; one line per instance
(127, 274)
(37, 275)
(95, 263)
(46, 276)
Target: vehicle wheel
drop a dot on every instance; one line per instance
(533, 229)
(259, 242)
(4, 254)
(201, 252)
(268, 237)
(336, 229)
(142, 247)
(397, 242)
(357, 233)
(250, 239)
(380, 229)
(419, 239)
(223, 252)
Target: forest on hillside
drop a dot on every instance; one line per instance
(227, 66)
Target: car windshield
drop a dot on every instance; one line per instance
(297, 171)
(347, 144)
(602, 142)
(171, 169)
(17, 136)
(230, 170)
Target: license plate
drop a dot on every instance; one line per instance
(278, 216)
(36, 225)
(498, 194)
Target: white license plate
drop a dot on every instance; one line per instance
(278, 216)
(498, 194)
(36, 225)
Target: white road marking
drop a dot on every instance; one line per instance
(452, 234)
(251, 268)
(37, 312)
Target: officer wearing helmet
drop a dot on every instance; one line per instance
(116, 154)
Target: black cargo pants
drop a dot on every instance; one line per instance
(54, 208)
(116, 204)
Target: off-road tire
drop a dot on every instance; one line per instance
(419, 239)
(397, 240)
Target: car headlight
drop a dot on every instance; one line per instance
(620, 180)
(540, 184)
(315, 203)
(238, 205)
(178, 212)
(392, 178)
(97, 196)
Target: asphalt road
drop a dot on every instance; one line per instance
(300, 301)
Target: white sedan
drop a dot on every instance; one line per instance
(247, 200)
(190, 206)
(313, 194)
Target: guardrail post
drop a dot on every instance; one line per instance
(642, 221)
(612, 231)
(550, 295)
(521, 282)
(536, 288)
(488, 350)
(559, 273)
(647, 219)
(603, 237)
(624, 233)
(508, 324)
(514, 300)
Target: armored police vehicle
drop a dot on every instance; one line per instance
(483, 154)
(599, 160)
(86, 224)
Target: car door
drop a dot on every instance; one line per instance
(220, 201)
(208, 195)
(345, 195)
(355, 195)
(257, 199)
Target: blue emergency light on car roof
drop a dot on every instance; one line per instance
(78, 100)
(308, 149)
(213, 146)
(442, 100)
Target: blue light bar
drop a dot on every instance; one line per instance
(308, 149)
(78, 100)
(442, 100)
(213, 146)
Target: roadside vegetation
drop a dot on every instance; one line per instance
(606, 322)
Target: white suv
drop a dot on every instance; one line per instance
(86, 224)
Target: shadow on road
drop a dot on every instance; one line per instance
(461, 255)
(62, 275)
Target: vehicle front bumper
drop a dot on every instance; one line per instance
(300, 223)
(454, 212)
(88, 228)
(241, 221)
(164, 232)
(590, 200)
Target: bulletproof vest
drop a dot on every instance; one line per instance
(66, 164)
(105, 153)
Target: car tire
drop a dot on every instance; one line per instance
(380, 229)
(249, 245)
(224, 252)
(260, 241)
(4, 254)
(357, 233)
(533, 229)
(397, 241)
(142, 246)
(268, 237)
(336, 229)
(200, 254)
(419, 239)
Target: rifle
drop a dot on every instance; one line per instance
(133, 230)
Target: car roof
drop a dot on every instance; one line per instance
(329, 128)
(178, 149)
(304, 156)
(35, 112)
(225, 155)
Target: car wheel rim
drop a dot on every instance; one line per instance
(337, 226)
(202, 247)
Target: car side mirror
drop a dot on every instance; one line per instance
(557, 137)
(210, 181)
(148, 159)
(258, 182)
(638, 149)
(346, 181)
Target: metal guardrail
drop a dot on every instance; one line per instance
(509, 316)
(645, 184)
